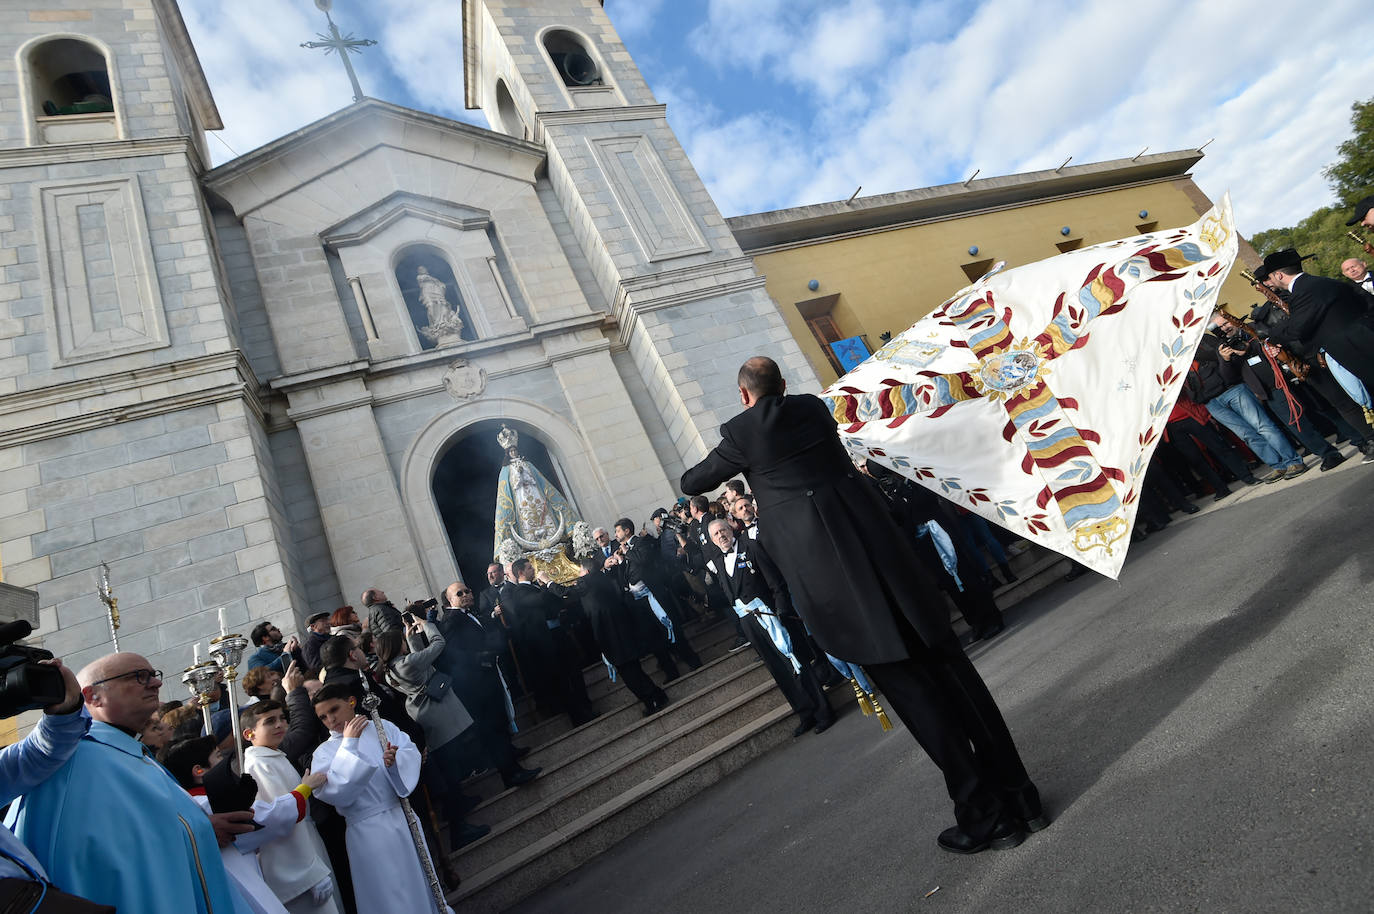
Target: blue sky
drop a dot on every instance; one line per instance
(786, 102)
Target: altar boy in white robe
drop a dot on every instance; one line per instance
(365, 785)
(215, 786)
(297, 866)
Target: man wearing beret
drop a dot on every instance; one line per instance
(317, 635)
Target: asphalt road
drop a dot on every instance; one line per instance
(1200, 731)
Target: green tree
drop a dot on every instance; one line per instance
(1323, 233)
(1352, 175)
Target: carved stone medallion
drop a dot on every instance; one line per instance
(465, 381)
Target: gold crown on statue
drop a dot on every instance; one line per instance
(507, 437)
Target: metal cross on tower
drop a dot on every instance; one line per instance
(343, 44)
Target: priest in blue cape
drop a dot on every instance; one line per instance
(112, 825)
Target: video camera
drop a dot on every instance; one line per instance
(26, 684)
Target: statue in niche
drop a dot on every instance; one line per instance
(445, 327)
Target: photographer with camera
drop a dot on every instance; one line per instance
(110, 825)
(49, 685)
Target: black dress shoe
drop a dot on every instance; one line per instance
(520, 776)
(987, 633)
(1224, 493)
(1006, 834)
(824, 725)
(802, 727)
(1190, 509)
(461, 834)
(1037, 823)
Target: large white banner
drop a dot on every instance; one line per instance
(1035, 396)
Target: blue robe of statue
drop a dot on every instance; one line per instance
(113, 826)
(529, 505)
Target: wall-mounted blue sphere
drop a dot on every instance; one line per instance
(814, 284)
(1144, 213)
(1064, 230)
(973, 250)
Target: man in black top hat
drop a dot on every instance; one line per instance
(1325, 313)
(1363, 215)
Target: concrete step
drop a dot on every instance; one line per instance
(576, 799)
(566, 766)
(709, 639)
(540, 733)
(573, 841)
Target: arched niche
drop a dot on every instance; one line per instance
(70, 93)
(575, 471)
(419, 271)
(507, 112)
(573, 60)
(464, 486)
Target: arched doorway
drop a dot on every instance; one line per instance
(464, 487)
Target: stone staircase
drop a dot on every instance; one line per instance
(606, 779)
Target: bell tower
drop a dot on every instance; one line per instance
(689, 304)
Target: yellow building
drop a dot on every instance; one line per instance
(877, 264)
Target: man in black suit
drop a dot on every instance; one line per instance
(641, 572)
(747, 573)
(557, 678)
(1325, 313)
(623, 633)
(867, 600)
(471, 648)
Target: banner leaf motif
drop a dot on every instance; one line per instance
(1035, 398)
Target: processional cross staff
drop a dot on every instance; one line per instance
(111, 604)
(343, 44)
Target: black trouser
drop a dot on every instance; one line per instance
(492, 727)
(802, 690)
(1299, 422)
(680, 647)
(567, 674)
(1344, 413)
(975, 602)
(1183, 431)
(639, 683)
(945, 704)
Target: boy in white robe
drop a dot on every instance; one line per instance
(192, 763)
(365, 785)
(297, 866)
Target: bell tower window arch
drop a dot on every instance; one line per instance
(70, 92)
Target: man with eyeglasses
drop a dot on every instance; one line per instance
(471, 647)
(112, 825)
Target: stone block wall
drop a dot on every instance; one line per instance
(180, 506)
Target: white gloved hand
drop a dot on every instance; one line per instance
(321, 891)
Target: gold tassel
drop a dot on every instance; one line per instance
(864, 704)
(882, 715)
(1369, 415)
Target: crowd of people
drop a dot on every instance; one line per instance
(363, 730)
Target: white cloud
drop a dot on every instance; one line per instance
(1016, 85)
(889, 94)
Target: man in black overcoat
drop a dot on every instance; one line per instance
(620, 628)
(560, 687)
(867, 599)
(640, 569)
(471, 649)
(1325, 313)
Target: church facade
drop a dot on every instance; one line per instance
(269, 385)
